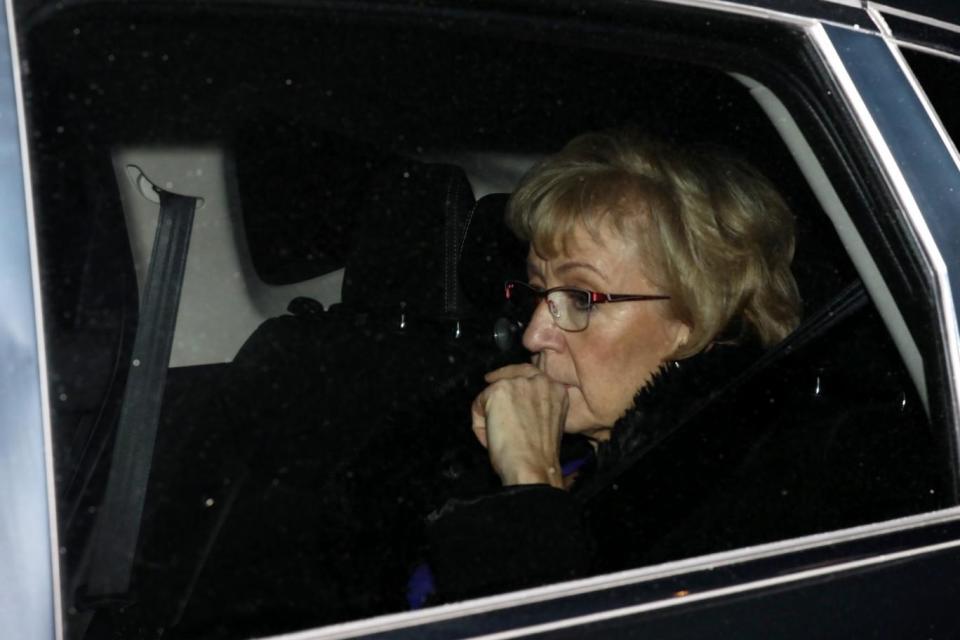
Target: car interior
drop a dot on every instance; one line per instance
(341, 296)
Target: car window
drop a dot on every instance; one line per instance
(935, 72)
(297, 214)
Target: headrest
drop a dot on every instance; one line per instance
(411, 223)
(490, 254)
(299, 188)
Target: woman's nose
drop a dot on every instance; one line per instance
(542, 332)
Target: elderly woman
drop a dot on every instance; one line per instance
(654, 273)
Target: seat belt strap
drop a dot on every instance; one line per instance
(117, 528)
(851, 299)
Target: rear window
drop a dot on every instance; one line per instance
(936, 75)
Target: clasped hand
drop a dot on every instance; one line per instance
(519, 418)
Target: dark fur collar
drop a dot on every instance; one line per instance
(676, 394)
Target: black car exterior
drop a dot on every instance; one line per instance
(857, 79)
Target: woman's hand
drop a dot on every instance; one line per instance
(519, 418)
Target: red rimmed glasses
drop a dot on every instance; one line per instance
(569, 306)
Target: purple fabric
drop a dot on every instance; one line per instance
(570, 466)
(420, 586)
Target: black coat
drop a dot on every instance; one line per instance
(716, 453)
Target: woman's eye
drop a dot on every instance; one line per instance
(581, 302)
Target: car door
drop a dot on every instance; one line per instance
(819, 93)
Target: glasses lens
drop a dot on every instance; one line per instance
(570, 308)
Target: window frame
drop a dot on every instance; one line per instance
(30, 561)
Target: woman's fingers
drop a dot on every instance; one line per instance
(524, 370)
(519, 418)
(479, 418)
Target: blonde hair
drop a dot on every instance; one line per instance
(714, 232)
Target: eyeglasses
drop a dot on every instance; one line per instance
(569, 307)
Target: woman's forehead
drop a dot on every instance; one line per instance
(585, 240)
(603, 255)
(614, 255)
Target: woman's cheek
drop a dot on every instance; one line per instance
(579, 417)
(574, 409)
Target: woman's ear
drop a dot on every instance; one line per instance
(681, 335)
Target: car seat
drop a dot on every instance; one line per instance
(308, 399)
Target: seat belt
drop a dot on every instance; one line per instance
(113, 543)
(851, 299)
(847, 302)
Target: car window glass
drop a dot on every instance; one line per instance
(936, 75)
(313, 416)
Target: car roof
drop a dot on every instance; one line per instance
(947, 11)
(842, 11)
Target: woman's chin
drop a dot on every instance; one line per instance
(588, 428)
(594, 432)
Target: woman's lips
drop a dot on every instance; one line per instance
(567, 386)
